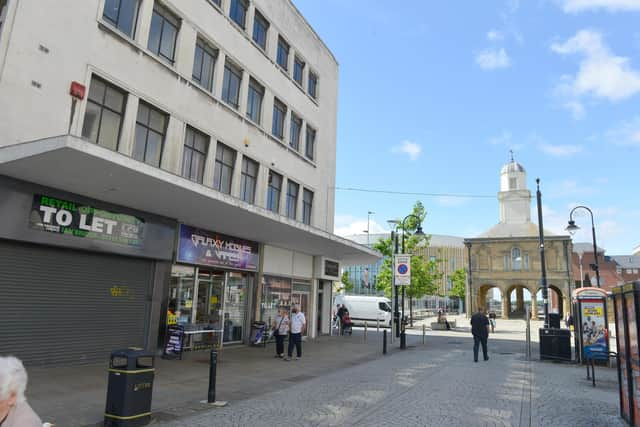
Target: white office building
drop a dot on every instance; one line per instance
(163, 164)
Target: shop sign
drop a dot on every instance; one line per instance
(64, 217)
(331, 268)
(203, 247)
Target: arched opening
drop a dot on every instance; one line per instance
(518, 300)
(556, 301)
(490, 298)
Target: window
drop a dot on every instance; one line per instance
(298, 70)
(105, 109)
(296, 126)
(248, 180)
(238, 11)
(283, 54)
(273, 192)
(513, 183)
(307, 204)
(311, 143)
(151, 125)
(163, 33)
(203, 62)
(313, 85)
(279, 112)
(384, 306)
(217, 2)
(123, 14)
(194, 155)
(292, 199)
(432, 258)
(516, 259)
(254, 101)
(231, 85)
(223, 172)
(260, 29)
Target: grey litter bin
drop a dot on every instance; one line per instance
(131, 373)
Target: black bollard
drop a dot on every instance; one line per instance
(384, 342)
(213, 361)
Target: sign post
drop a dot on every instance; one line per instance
(402, 276)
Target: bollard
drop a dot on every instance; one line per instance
(365, 331)
(424, 331)
(384, 342)
(213, 361)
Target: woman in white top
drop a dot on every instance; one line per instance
(14, 409)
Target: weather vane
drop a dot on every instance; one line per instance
(511, 152)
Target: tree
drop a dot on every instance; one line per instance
(347, 285)
(459, 284)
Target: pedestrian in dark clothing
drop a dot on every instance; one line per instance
(480, 331)
(341, 311)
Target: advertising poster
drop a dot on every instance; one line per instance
(203, 247)
(593, 324)
(622, 352)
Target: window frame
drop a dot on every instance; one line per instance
(148, 128)
(276, 106)
(286, 47)
(193, 149)
(311, 155)
(231, 69)
(260, 19)
(246, 177)
(291, 205)
(234, 6)
(257, 88)
(166, 16)
(307, 206)
(516, 265)
(220, 165)
(104, 106)
(134, 23)
(206, 49)
(312, 77)
(298, 67)
(271, 190)
(295, 119)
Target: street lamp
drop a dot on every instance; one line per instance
(393, 224)
(572, 228)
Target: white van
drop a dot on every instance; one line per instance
(366, 308)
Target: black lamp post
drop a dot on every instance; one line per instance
(572, 228)
(394, 250)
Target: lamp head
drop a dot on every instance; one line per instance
(419, 231)
(572, 227)
(393, 223)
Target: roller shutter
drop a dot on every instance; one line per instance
(65, 307)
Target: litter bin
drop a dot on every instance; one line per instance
(257, 333)
(130, 387)
(554, 320)
(555, 344)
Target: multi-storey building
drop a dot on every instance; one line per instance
(163, 162)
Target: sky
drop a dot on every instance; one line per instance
(434, 94)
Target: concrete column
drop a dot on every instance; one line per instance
(218, 74)
(261, 186)
(566, 305)
(267, 111)
(237, 174)
(506, 305)
(248, 20)
(144, 22)
(127, 133)
(534, 306)
(173, 146)
(244, 93)
(185, 49)
(520, 299)
(286, 131)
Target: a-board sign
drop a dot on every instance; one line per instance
(174, 342)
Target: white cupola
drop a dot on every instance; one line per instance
(514, 198)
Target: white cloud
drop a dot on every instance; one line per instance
(601, 73)
(408, 147)
(575, 6)
(492, 59)
(452, 202)
(559, 150)
(495, 35)
(626, 133)
(576, 108)
(356, 226)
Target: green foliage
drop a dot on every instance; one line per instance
(346, 282)
(459, 281)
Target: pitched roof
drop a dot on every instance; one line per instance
(627, 261)
(527, 229)
(437, 240)
(583, 247)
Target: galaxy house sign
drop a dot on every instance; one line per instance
(203, 247)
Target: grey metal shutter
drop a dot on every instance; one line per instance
(60, 306)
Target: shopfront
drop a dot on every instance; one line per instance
(78, 277)
(211, 288)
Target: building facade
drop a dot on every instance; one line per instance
(507, 256)
(169, 162)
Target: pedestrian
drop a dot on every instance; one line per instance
(341, 311)
(280, 330)
(480, 331)
(14, 409)
(297, 324)
(492, 320)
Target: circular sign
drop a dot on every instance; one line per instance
(403, 268)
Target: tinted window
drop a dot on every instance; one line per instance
(163, 34)
(260, 28)
(122, 14)
(231, 85)
(254, 101)
(283, 53)
(151, 126)
(103, 116)
(238, 11)
(203, 62)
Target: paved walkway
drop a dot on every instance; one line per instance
(344, 381)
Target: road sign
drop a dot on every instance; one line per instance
(402, 270)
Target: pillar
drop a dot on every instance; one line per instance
(534, 306)
(520, 299)
(566, 305)
(506, 305)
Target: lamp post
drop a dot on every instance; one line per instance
(468, 306)
(393, 223)
(572, 228)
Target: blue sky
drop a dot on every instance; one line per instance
(434, 94)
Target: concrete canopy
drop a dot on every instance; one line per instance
(71, 164)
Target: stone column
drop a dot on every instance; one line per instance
(566, 305)
(534, 306)
(520, 299)
(506, 305)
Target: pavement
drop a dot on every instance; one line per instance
(347, 381)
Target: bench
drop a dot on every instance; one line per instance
(435, 326)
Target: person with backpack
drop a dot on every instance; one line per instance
(280, 327)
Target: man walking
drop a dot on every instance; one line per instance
(298, 323)
(480, 331)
